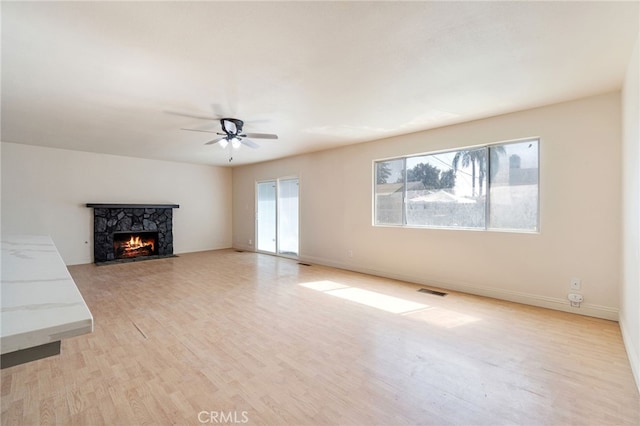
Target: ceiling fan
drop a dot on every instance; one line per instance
(233, 136)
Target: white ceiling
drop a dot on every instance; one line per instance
(105, 76)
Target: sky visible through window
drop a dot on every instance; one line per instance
(444, 161)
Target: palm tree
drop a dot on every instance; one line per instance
(470, 157)
(477, 158)
(494, 161)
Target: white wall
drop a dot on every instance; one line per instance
(44, 191)
(630, 289)
(580, 153)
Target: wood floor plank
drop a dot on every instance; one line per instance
(232, 334)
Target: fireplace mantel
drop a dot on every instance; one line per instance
(133, 206)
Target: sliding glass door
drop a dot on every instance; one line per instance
(277, 217)
(266, 216)
(288, 217)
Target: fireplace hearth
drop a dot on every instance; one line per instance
(131, 232)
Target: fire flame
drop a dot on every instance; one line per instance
(136, 242)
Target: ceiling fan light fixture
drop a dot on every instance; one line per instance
(223, 143)
(235, 143)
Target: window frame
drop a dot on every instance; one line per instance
(487, 201)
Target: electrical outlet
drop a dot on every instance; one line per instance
(575, 299)
(350, 253)
(576, 283)
(250, 242)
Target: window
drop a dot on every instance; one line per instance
(513, 191)
(389, 192)
(490, 187)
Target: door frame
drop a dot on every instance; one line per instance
(277, 216)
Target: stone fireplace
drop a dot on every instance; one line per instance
(128, 232)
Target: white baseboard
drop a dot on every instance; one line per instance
(198, 250)
(244, 247)
(592, 310)
(632, 352)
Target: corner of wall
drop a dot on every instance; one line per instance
(630, 265)
(632, 352)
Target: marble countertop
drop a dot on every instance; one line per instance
(40, 301)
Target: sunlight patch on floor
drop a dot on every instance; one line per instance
(386, 303)
(419, 311)
(373, 299)
(323, 285)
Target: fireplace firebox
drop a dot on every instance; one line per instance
(127, 245)
(128, 232)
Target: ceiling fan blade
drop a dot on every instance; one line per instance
(182, 114)
(261, 135)
(214, 141)
(218, 111)
(201, 130)
(249, 143)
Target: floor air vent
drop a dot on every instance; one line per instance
(436, 293)
(239, 251)
(303, 264)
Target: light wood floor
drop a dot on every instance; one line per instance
(264, 339)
